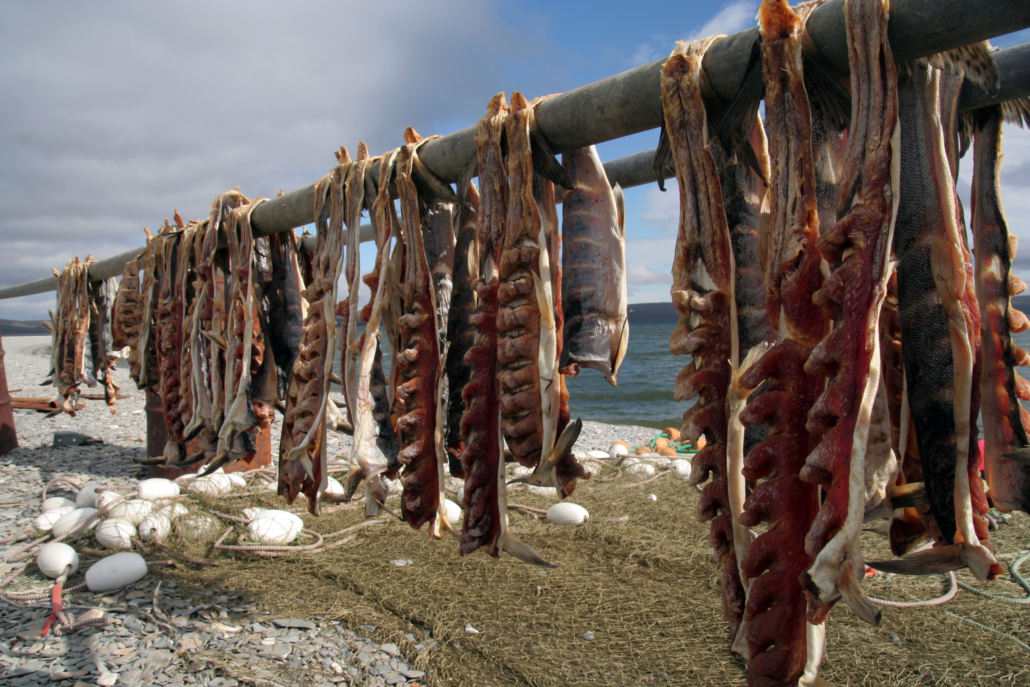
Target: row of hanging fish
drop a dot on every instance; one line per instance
(81, 349)
(843, 341)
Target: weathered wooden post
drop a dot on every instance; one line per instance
(8, 436)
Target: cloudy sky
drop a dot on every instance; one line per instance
(114, 114)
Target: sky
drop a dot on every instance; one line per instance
(114, 114)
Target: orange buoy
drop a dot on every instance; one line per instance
(660, 443)
(700, 443)
(668, 451)
(621, 443)
(672, 433)
(643, 449)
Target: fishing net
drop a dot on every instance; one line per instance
(635, 599)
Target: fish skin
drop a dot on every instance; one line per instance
(485, 519)
(191, 244)
(285, 307)
(703, 294)
(419, 366)
(461, 333)
(527, 339)
(105, 360)
(302, 447)
(168, 323)
(1005, 420)
(593, 290)
(778, 634)
(854, 461)
(126, 313)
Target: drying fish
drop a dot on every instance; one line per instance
(593, 293)
(937, 311)
(142, 358)
(375, 442)
(285, 306)
(703, 294)
(485, 521)
(1005, 420)
(105, 360)
(126, 314)
(782, 646)
(168, 317)
(302, 449)
(461, 333)
(264, 376)
(419, 369)
(71, 361)
(855, 460)
(354, 192)
(527, 344)
(190, 253)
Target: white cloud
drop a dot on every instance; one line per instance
(732, 18)
(661, 210)
(637, 275)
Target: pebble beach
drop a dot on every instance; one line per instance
(158, 633)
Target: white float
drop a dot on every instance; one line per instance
(600, 455)
(197, 526)
(681, 467)
(253, 512)
(157, 488)
(274, 512)
(57, 503)
(54, 558)
(333, 486)
(453, 511)
(170, 509)
(87, 496)
(115, 572)
(273, 527)
(237, 480)
(217, 484)
(116, 534)
(155, 526)
(617, 450)
(567, 514)
(640, 469)
(45, 521)
(460, 496)
(106, 498)
(68, 521)
(133, 510)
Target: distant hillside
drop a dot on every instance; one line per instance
(22, 328)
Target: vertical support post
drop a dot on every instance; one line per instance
(157, 435)
(8, 435)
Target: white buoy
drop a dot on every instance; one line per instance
(616, 450)
(157, 488)
(460, 496)
(170, 509)
(237, 480)
(253, 512)
(71, 520)
(453, 511)
(599, 455)
(133, 510)
(116, 534)
(333, 486)
(275, 512)
(115, 572)
(567, 514)
(106, 498)
(45, 521)
(54, 558)
(681, 467)
(155, 526)
(217, 484)
(57, 503)
(640, 469)
(273, 528)
(87, 496)
(198, 526)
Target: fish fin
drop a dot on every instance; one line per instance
(215, 338)
(662, 162)
(742, 114)
(523, 552)
(567, 439)
(619, 355)
(1017, 112)
(911, 495)
(1020, 456)
(445, 523)
(825, 90)
(979, 560)
(155, 460)
(974, 61)
(948, 269)
(545, 163)
(940, 559)
(620, 208)
(305, 462)
(851, 591)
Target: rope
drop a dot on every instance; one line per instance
(60, 479)
(918, 604)
(968, 621)
(1016, 577)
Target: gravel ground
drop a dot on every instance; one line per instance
(136, 649)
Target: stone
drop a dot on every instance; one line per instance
(281, 650)
(294, 623)
(107, 679)
(394, 678)
(412, 674)
(391, 649)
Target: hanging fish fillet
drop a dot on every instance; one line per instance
(143, 357)
(593, 293)
(485, 521)
(192, 240)
(302, 448)
(783, 648)
(168, 317)
(126, 314)
(527, 337)
(1005, 420)
(461, 332)
(105, 359)
(703, 294)
(936, 306)
(418, 427)
(71, 361)
(354, 190)
(285, 307)
(375, 442)
(852, 412)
